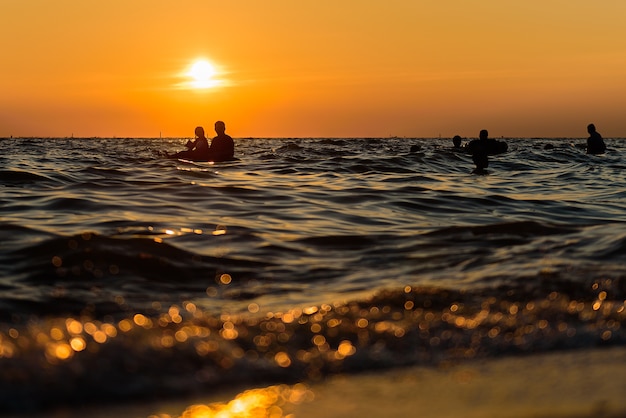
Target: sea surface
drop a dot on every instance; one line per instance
(126, 276)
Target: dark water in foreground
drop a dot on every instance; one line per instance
(128, 276)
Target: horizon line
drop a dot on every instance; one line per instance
(295, 137)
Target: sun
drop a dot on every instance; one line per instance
(202, 74)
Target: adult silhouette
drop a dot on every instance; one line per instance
(479, 148)
(222, 146)
(595, 143)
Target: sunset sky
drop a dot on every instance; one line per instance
(285, 68)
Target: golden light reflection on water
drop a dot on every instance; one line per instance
(302, 343)
(270, 402)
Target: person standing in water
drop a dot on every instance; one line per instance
(479, 148)
(222, 146)
(595, 143)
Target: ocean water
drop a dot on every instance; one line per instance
(126, 276)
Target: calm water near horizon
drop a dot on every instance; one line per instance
(125, 275)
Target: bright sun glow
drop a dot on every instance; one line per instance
(201, 73)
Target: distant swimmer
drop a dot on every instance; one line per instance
(479, 148)
(197, 150)
(482, 147)
(595, 143)
(222, 146)
(492, 146)
(456, 141)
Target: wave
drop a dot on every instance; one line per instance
(19, 177)
(524, 229)
(89, 272)
(186, 351)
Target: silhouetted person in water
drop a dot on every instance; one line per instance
(491, 146)
(595, 143)
(222, 146)
(197, 150)
(456, 141)
(480, 152)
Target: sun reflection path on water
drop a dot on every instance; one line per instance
(270, 402)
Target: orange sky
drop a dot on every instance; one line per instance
(288, 68)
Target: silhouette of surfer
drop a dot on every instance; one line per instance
(197, 150)
(456, 141)
(595, 143)
(222, 146)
